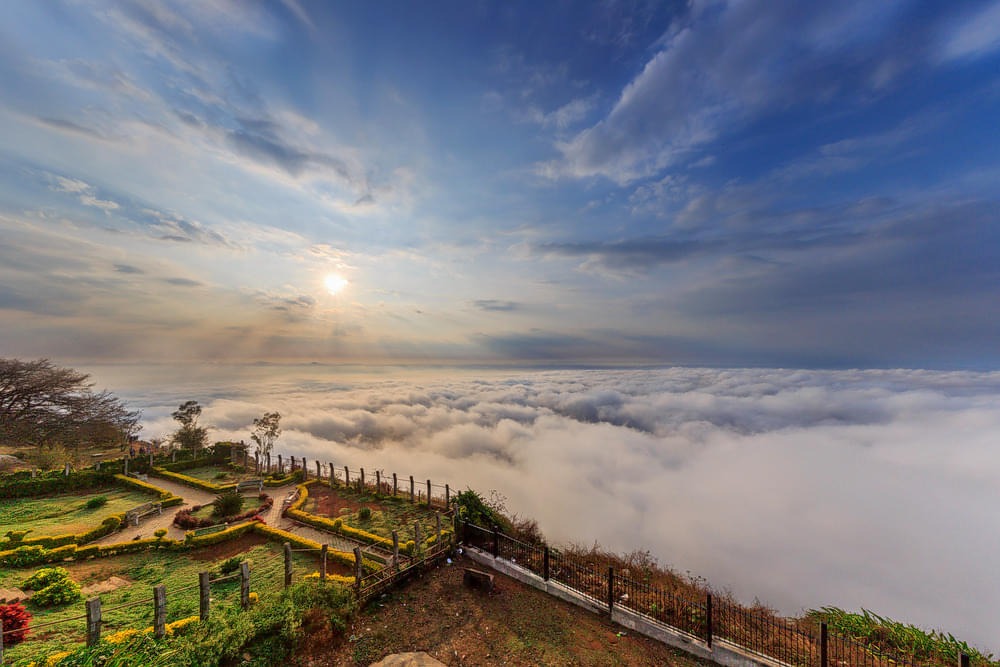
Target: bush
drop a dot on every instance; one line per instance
(94, 503)
(159, 533)
(228, 504)
(53, 586)
(230, 565)
(15, 620)
(365, 513)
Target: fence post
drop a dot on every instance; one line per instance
(362, 488)
(395, 550)
(357, 568)
(963, 660)
(545, 563)
(428, 493)
(824, 640)
(160, 611)
(708, 620)
(318, 474)
(126, 466)
(496, 542)
(244, 584)
(447, 497)
(173, 456)
(322, 561)
(204, 594)
(347, 477)
(305, 469)
(611, 590)
(394, 485)
(288, 564)
(281, 470)
(333, 478)
(411, 489)
(66, 469)
(93, 621)
(378, 482)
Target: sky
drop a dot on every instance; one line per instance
(869, 489)
(757, 183)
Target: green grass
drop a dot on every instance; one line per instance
(144, 571)
(210, 473)
(56, 515)
(393, 514)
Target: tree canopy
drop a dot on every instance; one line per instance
(190, 435)
(266, 430)
(42, 404)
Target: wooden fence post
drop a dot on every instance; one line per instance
(395, 550)
(173, 456)
(428, 493)
(244, 584)
(305, 469)
(204, 595)
(545, 563)
(160, 610)
(447, 497)
(963, 660)
(126, 466)
(611, 590)
(280, 467)
(93, 621)
(394, 485)
(347, 477)
(411, 489)
(322, 561)
(319, 475)
(288, 564)
(291, 465)
(333, 477)
(824, 641)
(357, 568)
(708, 620)
(66, 469)
(378, 482)
(361, 486)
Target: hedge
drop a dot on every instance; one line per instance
(294, 476)
(53, 483)
(192, 481)
(167, 499)
(187, 464)
(343, 557)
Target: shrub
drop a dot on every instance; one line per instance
(16, 535)
(221, 475)
(15, 620)
(53, 586)
(160, 532)
(98, 501)
(228, 504)
(230, 565)
(365, 513)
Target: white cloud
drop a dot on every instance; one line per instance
(976, 36)
(855, 486)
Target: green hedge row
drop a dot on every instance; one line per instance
(167, 499)
(160, 471)
(21, 487)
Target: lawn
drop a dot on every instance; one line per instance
(387, 513)
(217, 474)
(139, 573)
(67, 513)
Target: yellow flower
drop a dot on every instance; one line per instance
(254, 597)
(54, 659)
(121, 636)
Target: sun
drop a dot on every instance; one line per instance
(334, 283)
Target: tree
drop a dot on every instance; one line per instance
(44, 405)
(190, 435)
(266, 430)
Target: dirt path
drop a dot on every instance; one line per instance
(513, 625)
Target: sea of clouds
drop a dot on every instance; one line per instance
(875, 488)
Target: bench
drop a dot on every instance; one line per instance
(210, 529)
(250, 484)
(478, 579)
(289, 499)
(133, 515)
(139, 476)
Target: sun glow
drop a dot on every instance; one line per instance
(334, 283)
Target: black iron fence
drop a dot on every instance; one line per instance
(799, 642)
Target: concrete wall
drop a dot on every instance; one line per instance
(721, 651)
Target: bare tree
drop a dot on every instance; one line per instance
(43, 405)
(266, 430)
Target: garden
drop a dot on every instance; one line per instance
(67, 513)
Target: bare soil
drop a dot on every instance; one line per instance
(513, 625)
(330, 504)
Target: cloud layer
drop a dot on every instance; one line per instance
(801, 488)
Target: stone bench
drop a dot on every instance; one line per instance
(249, 485)
(133, 515)
(478, 579)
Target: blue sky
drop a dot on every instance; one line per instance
(744, 184)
